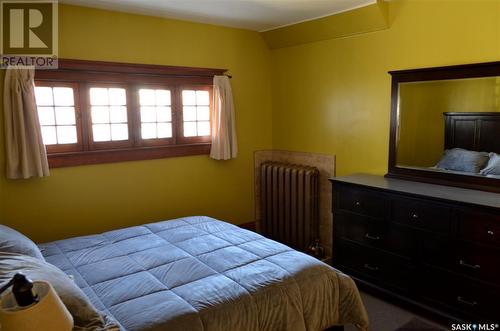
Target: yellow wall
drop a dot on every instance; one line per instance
(330, 96)
(421, 107)
(334, 96)
(89, 199)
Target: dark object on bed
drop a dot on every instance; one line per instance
(22, 289)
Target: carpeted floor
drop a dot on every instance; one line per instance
(416, 324)
(387, 317)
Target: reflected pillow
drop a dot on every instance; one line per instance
(15, 242)
(493, 166)
(458, 159)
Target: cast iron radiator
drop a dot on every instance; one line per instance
(289, 203)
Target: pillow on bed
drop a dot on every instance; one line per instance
(493, 166)
(458, 159)
(85, 316)
(12, 241)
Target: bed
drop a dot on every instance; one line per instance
(471, 145)
(198, 273)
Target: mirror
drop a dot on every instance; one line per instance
(445, 126)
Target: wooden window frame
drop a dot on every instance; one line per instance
(180, 117)
(158, 141)
(82, 75)
(98, 145)
(66, 148)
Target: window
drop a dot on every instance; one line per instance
(156, 113)
(58, 116)
(108, 110)
(196, 112)
(95, 112)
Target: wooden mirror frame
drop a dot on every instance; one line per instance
(478, 70)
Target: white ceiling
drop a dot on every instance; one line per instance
(257, 15)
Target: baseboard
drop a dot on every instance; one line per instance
(252, 226)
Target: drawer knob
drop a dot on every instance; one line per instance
(369, 236)
(414, 216)
(467, 265)
(371, 267)
(490, 233)
(357, 204)
(467, 302)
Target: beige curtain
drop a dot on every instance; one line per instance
(224, 144)
(25, 153)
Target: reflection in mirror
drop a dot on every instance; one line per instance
(449, 125)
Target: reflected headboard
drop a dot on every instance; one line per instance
(473, 131)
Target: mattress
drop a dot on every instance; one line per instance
(198, 273)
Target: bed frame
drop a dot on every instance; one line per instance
(473, 131)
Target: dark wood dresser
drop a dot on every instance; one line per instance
(435, 247)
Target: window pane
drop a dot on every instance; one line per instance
(46, 116)
(164, 130)
(164, 114)
(163, 97)
(118, 114)
(203, 128)
(189, 114)
(148, 130)
(117, 97)
(203, 114)
(189, 129)
(99, 96)
(101, 132)
(63, 96)
(100, 115)
(43, 96)
(119, 131)
(65, 115)
(66, 134)
(147, 97)
(188, 97)
(49, 135)
(148, 114)
(202, 98)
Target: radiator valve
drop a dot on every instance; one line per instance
(316, 250)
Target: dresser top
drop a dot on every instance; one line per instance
(450, 193)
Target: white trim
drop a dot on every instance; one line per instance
(367, 3)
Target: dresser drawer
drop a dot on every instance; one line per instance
(369, 232)
(478, 226)
(421, 214)
(479, 262)
(362, 201)
(463, 258)
(375, 266)
(461, 294)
